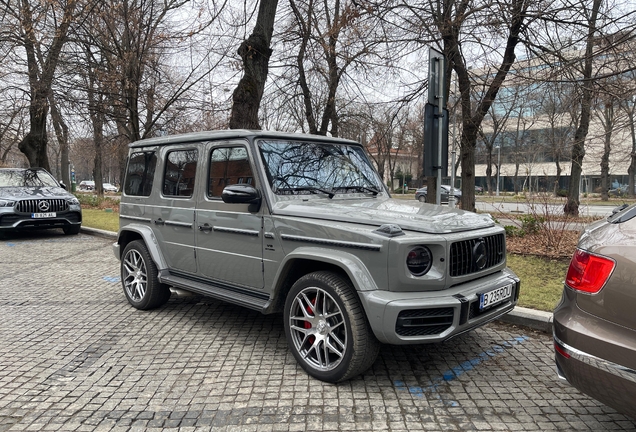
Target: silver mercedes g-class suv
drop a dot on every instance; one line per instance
(303, 225)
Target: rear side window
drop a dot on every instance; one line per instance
(228, 165)
(140, 173)
(181, 169)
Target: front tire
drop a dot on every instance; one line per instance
(326, 328)
(71, 229)
(139, 278)
(422, 198)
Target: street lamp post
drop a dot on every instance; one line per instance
(498, 166)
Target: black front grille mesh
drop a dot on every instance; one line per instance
(34, 206)
(424, 322)
(462, 261)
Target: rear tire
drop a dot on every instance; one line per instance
(139, 278)
(327, 329)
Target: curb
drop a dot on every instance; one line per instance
(531, 318)
(98, 233)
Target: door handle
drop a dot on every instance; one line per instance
(160, 222)
(205, 228)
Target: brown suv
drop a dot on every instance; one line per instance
(595, 323)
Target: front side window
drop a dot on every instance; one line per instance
(181, 169)
(140, 173)
(228, 165)
(295, 167)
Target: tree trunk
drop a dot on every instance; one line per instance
(255, 52)
(632, 166)
(34, 144)
(61, 132)
(608, 123)
(578, 148)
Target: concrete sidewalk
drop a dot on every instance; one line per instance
(530, 318)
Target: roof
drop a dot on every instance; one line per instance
(233, 134)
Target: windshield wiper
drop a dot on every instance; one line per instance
(361, 189)
(312, 189)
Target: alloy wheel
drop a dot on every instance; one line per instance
(135, 275)
(318, 328)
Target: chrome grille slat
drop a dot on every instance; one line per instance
(31, 205)
(462, 259)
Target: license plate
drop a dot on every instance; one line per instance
(495, 296)
(42, 215)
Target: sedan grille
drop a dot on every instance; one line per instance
(466, 259)
(41, 206)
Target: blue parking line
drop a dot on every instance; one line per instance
(458, 371)
(111, 279)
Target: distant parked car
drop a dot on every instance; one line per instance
(109, 187)
(420, 194)
(479, 189)
(31, 198)
(86, 185)
(595, 323)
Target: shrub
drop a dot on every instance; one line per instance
(513, 231)
(531, 224)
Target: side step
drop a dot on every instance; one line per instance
(238, 296)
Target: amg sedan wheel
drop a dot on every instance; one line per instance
(326, 328)
(139, 278)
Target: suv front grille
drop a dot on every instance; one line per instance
(461, 254)
(424, 322)
(34, 206)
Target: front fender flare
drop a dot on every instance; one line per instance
(352, 265)
(149, 239)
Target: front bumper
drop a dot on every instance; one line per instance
(17, 221)
(401, 318)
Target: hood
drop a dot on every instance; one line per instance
(409, 215)
(40, 192)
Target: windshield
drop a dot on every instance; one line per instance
(26, 178)
(295, 167)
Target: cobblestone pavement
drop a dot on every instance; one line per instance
(75, 356)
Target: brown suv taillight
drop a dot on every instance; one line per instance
(588, 273)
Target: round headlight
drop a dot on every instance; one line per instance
(419, 260)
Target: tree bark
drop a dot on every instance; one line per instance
(631, 171)
(255, 52)
(578, 148)
(61, 132)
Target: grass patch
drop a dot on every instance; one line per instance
(101, 219)
(541, 280)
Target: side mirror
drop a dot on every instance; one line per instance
(63, 185)
(242, 194)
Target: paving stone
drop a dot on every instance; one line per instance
(75, 356)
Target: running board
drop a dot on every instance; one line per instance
(236, 296)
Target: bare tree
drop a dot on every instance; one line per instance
(41, 30)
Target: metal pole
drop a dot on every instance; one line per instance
(440, 123)
(451, 195)
(498, 167)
